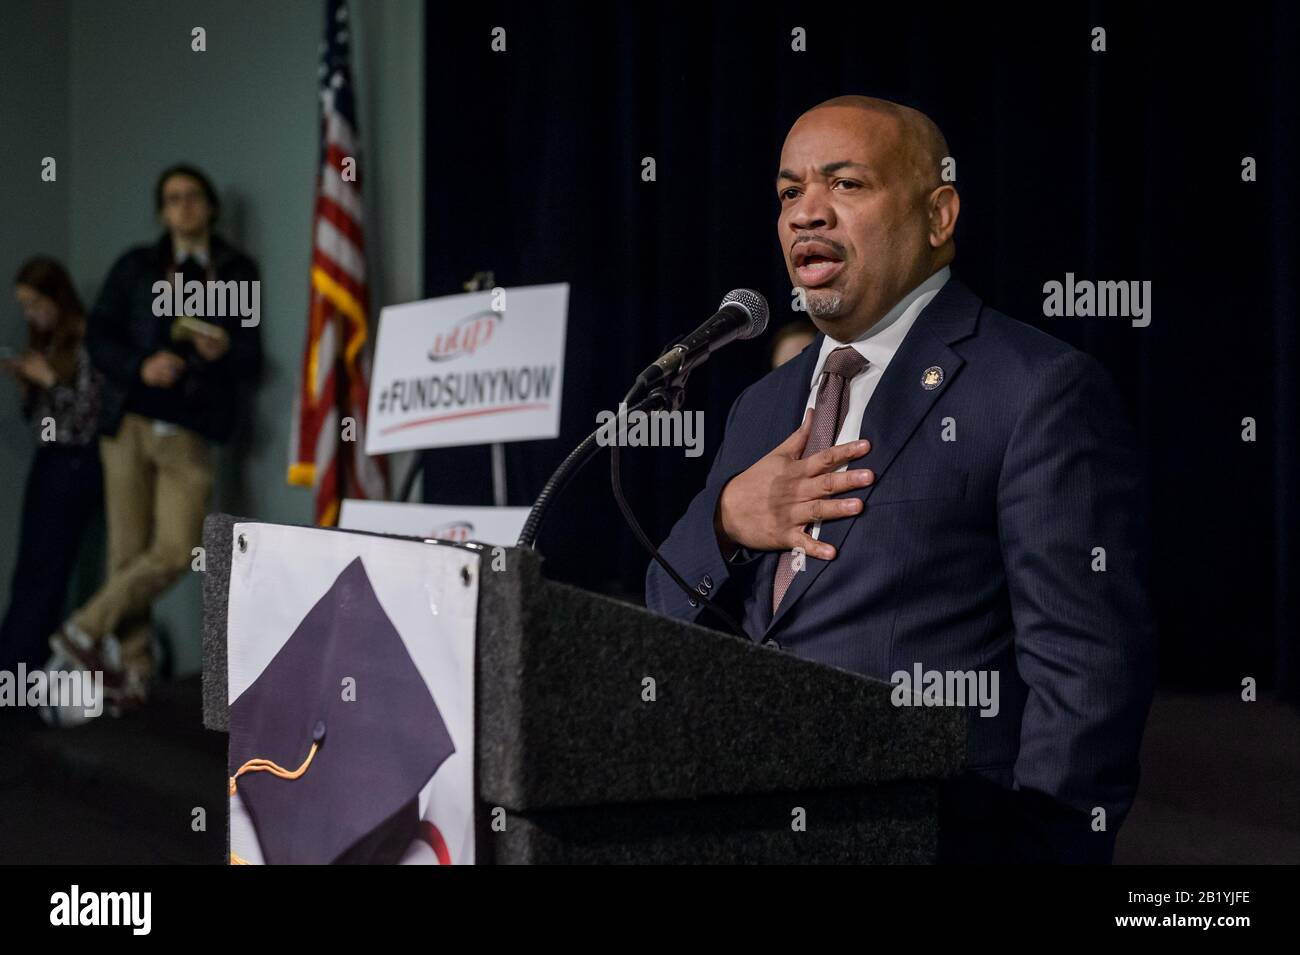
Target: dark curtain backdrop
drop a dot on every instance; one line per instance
(1123, 165)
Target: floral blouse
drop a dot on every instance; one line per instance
(73, 406)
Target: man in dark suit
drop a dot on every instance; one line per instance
(174, 386)
(961, 497)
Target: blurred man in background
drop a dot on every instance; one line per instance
(790, 339)
(172, 387)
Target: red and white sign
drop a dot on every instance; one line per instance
(479, 368)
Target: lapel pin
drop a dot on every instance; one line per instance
(932, 378)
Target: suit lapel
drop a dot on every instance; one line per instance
(896, 408)
(792, 393)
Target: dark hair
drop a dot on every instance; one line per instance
(48, 277)
(185, 169)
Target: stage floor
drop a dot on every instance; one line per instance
(1220, 784)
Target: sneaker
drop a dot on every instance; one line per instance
(85, 653)
(110, 651)
(62, 717)
(129, 697)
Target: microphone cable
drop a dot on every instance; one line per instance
(616, 483)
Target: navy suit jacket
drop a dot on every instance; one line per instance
(974, 553)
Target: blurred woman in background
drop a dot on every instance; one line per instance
(59, 392)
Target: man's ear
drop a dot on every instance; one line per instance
(944, 206)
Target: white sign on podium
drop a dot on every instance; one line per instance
(352, 632)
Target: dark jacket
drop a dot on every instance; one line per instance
(969, 554)
(123, 331)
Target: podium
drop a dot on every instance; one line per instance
(608, 734)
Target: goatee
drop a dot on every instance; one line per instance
(824, 302)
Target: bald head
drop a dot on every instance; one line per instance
(865, 213)
(923, 143)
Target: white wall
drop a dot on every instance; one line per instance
(33, 214)
(135, 99)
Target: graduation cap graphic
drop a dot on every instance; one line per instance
(327, 778)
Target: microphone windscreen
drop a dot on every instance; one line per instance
(754, 305)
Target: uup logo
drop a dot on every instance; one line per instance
(465, 337)
(455, 531)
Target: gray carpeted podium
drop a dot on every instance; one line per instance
(745, 754)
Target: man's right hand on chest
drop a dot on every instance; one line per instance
(771, 505)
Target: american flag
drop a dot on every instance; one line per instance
(325, 454)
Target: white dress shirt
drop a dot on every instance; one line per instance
(200, 254)
(877, 345)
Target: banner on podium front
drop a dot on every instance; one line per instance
(487, 525)
(479, 368)
(351, 691)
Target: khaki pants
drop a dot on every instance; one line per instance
(156, 488)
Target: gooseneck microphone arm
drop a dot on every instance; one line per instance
(743, 314)
(562, 475)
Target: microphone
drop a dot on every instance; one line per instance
(742, 314)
